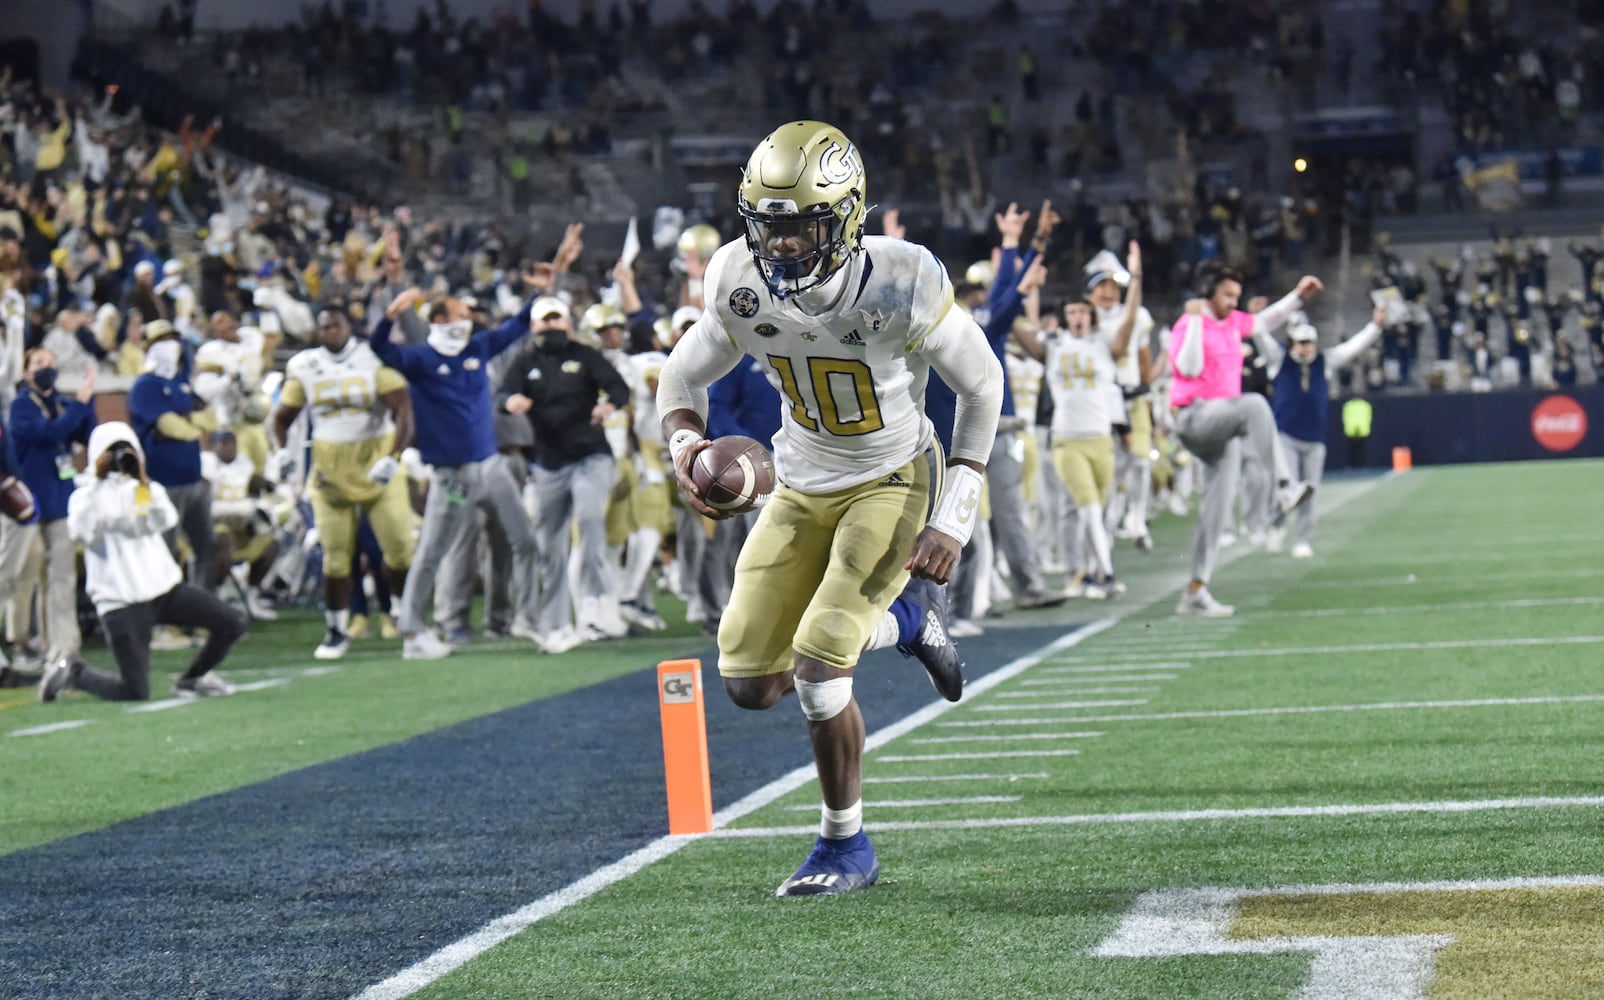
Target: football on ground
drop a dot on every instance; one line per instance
(733, 472)
(16, 501)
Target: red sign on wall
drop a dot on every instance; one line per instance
(1559, 423)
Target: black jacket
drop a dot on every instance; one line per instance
(565, 382)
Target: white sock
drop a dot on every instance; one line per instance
(884, 634)
(839, 824)
(1098, 553)
(340, 620)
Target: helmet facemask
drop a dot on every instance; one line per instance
(796, 251)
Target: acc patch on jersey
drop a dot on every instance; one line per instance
(743, 301)
(765, 329)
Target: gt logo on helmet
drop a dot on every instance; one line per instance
(839, 165)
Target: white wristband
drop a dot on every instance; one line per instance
(681, 439)
(958, 507)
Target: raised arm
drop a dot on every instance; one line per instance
(1275, 315)
(1342, 355)
(1121, 341)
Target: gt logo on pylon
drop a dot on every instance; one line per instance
(1389, 941)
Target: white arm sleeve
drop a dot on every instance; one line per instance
(701, 357)
(1189, 357)
(1271, 348)
(1277, 313)
(1344, 353)
(958, 351)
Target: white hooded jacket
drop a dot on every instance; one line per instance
(125, 559)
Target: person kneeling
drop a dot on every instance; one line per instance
(119, 515)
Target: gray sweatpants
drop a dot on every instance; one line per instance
(1307, 460)
(469, 561)
(454, 493)
(1010, 530)
(1217, 431)
(59, 613)
(563, 496)
(194, 505)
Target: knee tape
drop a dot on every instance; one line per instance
(823, 700)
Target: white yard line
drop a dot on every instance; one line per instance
(908, 778)
(1070, 691)
(1386, 647)
(1107, 703)
(54, 727)
(970, 800)
(1107, 668)
(1238, 713)
(1424, 609)
(913, 758)
(1005, 738)
(1199, 815)
(1094, 679)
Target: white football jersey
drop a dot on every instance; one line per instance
(231, 484)
(1080, 372)
(642, 378)
(853, 378)
(1024, 380)
(1127, 370)
(343, 393)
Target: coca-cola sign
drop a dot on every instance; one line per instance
(1559, 423)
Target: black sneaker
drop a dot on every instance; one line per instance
(58, 676)
(13, 677)
(931, 644)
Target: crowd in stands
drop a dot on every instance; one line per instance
(130, 253)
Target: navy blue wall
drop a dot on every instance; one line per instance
(1464, 427)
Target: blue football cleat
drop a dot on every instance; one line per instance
(931, 644)
(834, 867)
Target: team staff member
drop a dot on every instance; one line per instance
(161, 406)
(119, 514)
(557, 384)
(44, 426)
(456, 436)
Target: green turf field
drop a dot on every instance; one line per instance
(1380, 778)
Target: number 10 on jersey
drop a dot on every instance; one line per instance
(843, 402)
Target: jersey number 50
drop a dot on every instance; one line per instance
(346, 395)
(842, 395)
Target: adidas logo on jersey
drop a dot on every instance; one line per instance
(853, 339)
(895, 479)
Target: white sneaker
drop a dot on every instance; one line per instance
(258, 609)
(1256, 538)
(1274, 539)
(559, 640)
(207, 685)
(1302, 551)
(1227, 539)
(335, 645)
(1289, 496)
(1178, 505)
(1203, 603)
(963, 628)
(424, 645)
(523, 630)
(596, 616)
(651, 621)
(1093, 591)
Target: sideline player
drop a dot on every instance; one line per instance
(847, 327)
(361, 422)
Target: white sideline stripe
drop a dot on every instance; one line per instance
(319, 671)
(999, 739)
(271, 682)
(1482, 578)
(464, 950)
(1110, 668)
(420, 975)
(1201, 815)
(1096, 679)
(54, 727)
(999, 755)
(1109, 703)
(954, 777)
(1389, 647)
(1237, 713)
(1065, 691)
(162, 705)
(972, 800)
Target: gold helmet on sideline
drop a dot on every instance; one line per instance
(803, 186)
(600, 316)
(700, 239)
(981, 274)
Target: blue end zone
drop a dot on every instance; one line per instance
(321, 882)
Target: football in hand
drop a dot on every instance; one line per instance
(732, 473)
(16, 500)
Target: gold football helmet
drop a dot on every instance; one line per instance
(802, 197)
(981, 274)
(600, 316)
(700, 239)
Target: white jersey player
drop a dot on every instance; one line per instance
(1105, 283)
(847, 327)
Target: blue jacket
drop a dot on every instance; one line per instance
(168, 461)
(43, 429)
(743, 402)
(1301, 406)
(451, 407)
(1003, 306)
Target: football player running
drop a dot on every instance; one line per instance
(361, 422)
(847, 328)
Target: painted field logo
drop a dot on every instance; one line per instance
(1519, 937)
(1559, 423)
